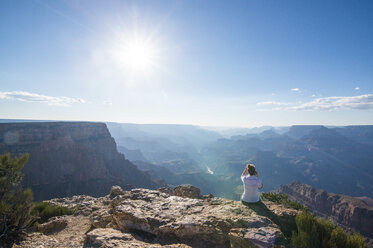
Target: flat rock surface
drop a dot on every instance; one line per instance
(72, 235)
(196, 222)
(108, 237)
(150, 218)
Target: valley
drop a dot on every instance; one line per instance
(310, 154)
(67, 156)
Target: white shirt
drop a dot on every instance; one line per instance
(251, 185)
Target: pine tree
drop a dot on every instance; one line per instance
(15, 203)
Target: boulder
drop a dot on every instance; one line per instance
(110, 238)
(166, 190)
(115, 191)
(101, 218)
(263, 237)
(55, 224)
(188, 191)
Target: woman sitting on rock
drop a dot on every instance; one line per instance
(251, 183)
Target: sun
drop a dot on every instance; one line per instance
(136, 55)
(139, 55)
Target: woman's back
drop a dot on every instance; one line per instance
(251, 185)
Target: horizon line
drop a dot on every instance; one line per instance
(10, 120)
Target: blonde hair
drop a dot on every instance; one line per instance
(251, 169)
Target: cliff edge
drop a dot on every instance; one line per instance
(159, 218)
(349, 212)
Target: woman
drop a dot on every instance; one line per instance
(251, 183)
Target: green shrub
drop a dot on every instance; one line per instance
(355, 241)
(44, 211)
(282, 199)
(313, 232)
(15, 203)
(338, 238)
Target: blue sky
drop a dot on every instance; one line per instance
(216, 63)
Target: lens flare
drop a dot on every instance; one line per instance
(136, 55)
(11, 138)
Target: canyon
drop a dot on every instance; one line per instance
(71, 158)
(350, 212)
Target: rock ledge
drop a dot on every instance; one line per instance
(152, 218)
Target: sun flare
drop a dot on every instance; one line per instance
(139, 55)
(136, 55)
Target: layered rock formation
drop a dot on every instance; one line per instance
(152, 218)
(70, 158)
(347, 211)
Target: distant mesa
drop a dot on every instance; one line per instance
(269, 134)
(367, 200)
(132, 154)
(298, 131)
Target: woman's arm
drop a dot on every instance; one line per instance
(245, 171)
(260, 185)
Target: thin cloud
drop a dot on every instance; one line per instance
(272, 103)
(34, 97)
(337, 103)
(294, 89)
(107, 102)
(357, 88)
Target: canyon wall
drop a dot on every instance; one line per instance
(70, 158)
(348, 211)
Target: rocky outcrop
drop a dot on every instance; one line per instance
(187, 190)
(347, 211)
(55, 224)
(256, 237)
(70, 158)
(151, 218)
(367, 200)
(115, 191)
(111, 238)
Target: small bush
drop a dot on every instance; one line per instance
(45, 210)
